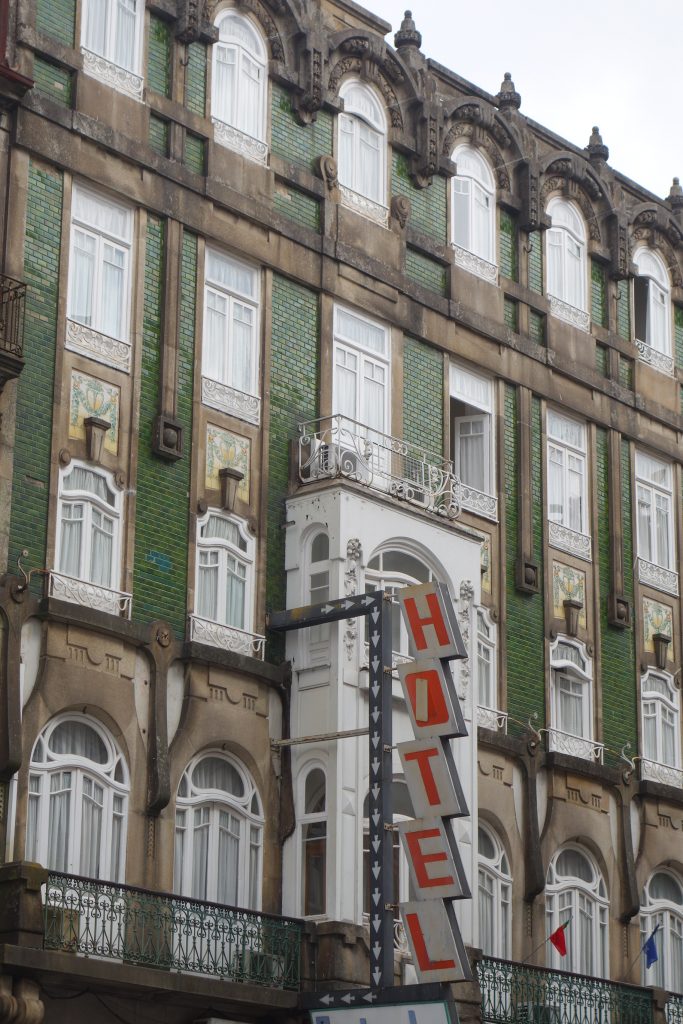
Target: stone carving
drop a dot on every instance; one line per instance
(101, 599)
(345, 66)
(231, 401)
(392, 69)
(356, 45)
(570, 314)
(327, 169)
(366, 207)
(308, 104)
(465, 623)
(354, 64)
(400, 209)
(228, 638)
(659, 360)
(475, 264)
(111, 74)
(351, 584)
(559, 184)
(658, 577)
(277, 50)
(240, 142)
(99, 347)
(471, 127)
(568, 540)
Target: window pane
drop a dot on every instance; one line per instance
(83, 271)
(59, 823)
(124, 44)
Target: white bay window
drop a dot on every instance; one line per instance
(662, 905)
(494, 893)
(660, 706)
(571, 701)
(576, 896)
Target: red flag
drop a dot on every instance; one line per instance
(558, 939)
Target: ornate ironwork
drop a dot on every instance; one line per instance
(90, 595)
(570, 314)
(513, 993)
(664, 773)
(12, 303)
(658, 577)
(673, 1010)
(339, 447)
(229, 638)
(100, 347)
(367, 207)
(230, 400)
(93, 918)
(658, 360)
(575, 746)
(489, 718)
(111, 74)
(562, 537)
(239, 141)
(475, 264)
(479, 502)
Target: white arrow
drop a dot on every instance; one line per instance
(368, 599)
(375, 791)
(377, 950)
(375, 665)
(376, 843)
(327, 1000)
(348, 998)
(326, 609)
(375, 766)
(376, 975)
(370, 997)
(375, 638)
(374, 715)
(376, 922)
(375, 897)
(376, 870)
(374, 615)
(375, 739)
(375, 818)
(375, 690)
(347, 604)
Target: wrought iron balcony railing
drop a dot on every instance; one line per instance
(575, 746)
(339, 447)
(12, 302)
(513, 993)
(91, 595)
(673, 1010)
(136, 926)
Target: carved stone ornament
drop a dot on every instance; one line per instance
(472, 127)
(167, 438)
(407, 35)
(372, 71)
(277, 50)
(310, 101)
(64, 457)
(400, 210)
(597, 150)
(327, 169)
(568, 186)
(508, 98)
(95, 432)
(111, 74)
(465, 623)
(675, 196)
(99, 347)
(351, 583)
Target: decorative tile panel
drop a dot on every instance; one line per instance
(569, 584)
(93, 397)
(225, 449)
(657, 618)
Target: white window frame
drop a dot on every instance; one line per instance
(495, 881)
(92, 505)
(368, 360)
(473, 235)
(82, 771)
(658, 340)
(667, 971)
(476, 392)
(391, 581)
(225, 550)
(249, 876)
(220, 388)
(100, 238)
(316, 639)
(662, 710)
(488, 714)
(567, 463)
(566, 238)
(571, 671)
(570, 897)
(363, 121)
(312, 818)
(100, 59)
(231, 127)
(659, 496)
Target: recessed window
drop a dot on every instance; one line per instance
(111, 31)
(313, 825)
(652, 308)
(567, 262)
(239, 86)
(663, 905)
(224, 572)
(654, 487)
(473, 439)
(473, 221)
(362, 150)
(360, 385)
(576, 896)
(571, 701)
(391, 570)
(567, 484)
(660, 704)
(495, 895)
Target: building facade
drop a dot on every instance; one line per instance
(290, 314)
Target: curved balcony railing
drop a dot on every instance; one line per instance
(137, 926)
(575, 746)
(339, 447)
(512, 993)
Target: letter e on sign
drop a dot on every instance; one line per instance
(430, 620)
(434, 861)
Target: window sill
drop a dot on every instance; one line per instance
(666, 774)
(478, 502)
(111, 74)
(570, 314)
(474, 264)
(570, 541)
(99, 347)
(231, 401)
(90, 595)
(366, 207)
(658, 577)
(657, 360)
(228, 638)
(232, 138)
(576, 746)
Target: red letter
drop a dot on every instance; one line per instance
(425, 964)
(428, 781)
(437, 710)
(413, 840)
(417, 624)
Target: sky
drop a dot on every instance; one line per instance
(615, 64)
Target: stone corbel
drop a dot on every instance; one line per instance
(620, 246)
(193, 26)
(533, 215)
(326, 168)
(161, 650)
(309, 101)
(400, 211)
(20, 1001)
(426, 160)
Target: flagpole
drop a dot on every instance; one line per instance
(546, 939)
(642, 948)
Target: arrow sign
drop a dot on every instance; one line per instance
(376, 976)
(375, 766)
(375, 739)
(374, 615)
(376, 845)
(376, 870)
(347, 604)
(375, 818)
(374, 639)
(375, 666)
(369, 997)
(375, 791)
(368, 599)
(327, 1000)
(348, 998)
(375, 714)
(376, 896)
(376, 949)
(376, 922)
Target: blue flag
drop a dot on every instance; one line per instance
(650, 949)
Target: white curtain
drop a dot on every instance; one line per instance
(645, 524)
(83, 270)
(555, 485)
(225, 71)
(207, 585)
(234, 276)
(124, 47)
(555, 253)
(97, 22)
(200, 853)
(228, 858)
(112, 290)
(254, 866)
(102, 549)
(347, 132)
(373, 392)
(485, 679)
(574, 264)
(486, 913)
(472, 452)
(346, 383)
(650, 730)
(72, 737)
(461, 213)
(574, 519)
(33, 811)
(116, 865)
(369, 176)
(663, 508)
(58, 822)
(570, 705)
(215, 336)
(586, 959)
(235, 592)
(482, 224)
(91, 828)
(241, 373)
(179, 850)
(669, 745)
(217, 773)
(249, 105)
(71, 539)
(656, 319)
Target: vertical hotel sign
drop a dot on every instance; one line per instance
(435, 865)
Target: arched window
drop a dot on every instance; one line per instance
(652, 306)
(318, 637)
(239, 87)
(474, 212)
(571, 712)
(77, 800)
(487, 675)
(362, 149)
(663, 906)
(495, 896)
(88, 537)
(576, 893)
(661, 728)
(391, 570)
(567, 263)
(314, 842)
(218, 833)
(224, 571)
